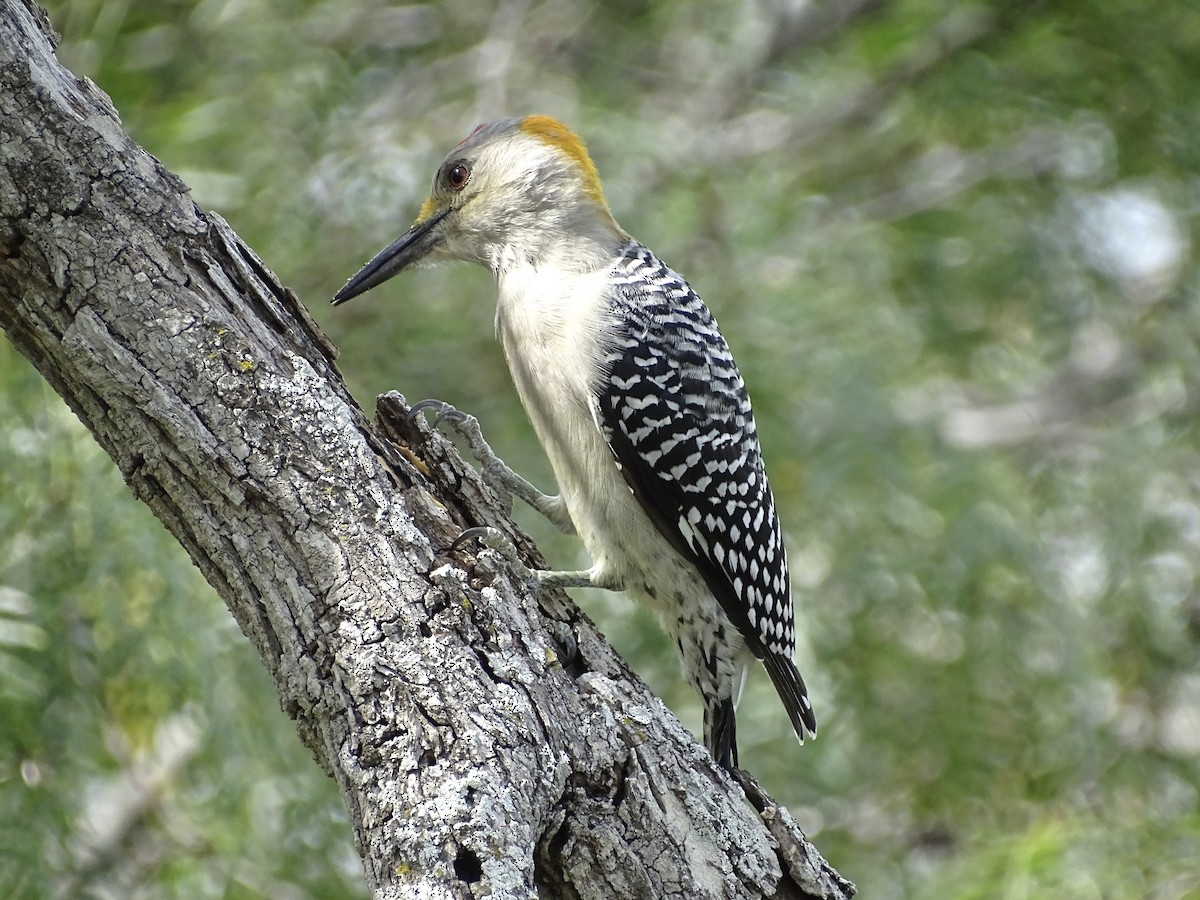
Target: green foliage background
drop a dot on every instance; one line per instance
(951, 245)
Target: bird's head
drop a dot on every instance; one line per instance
(514, 192)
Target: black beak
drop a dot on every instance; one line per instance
(397, 256)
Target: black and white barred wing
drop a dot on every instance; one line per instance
(675, 412)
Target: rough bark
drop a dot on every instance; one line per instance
(486, 742)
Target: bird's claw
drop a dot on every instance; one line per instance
(444, 412)
(471, 534)
(464, 423)
(495, 473)
(494, 539)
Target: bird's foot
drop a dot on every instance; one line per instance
(537, 579)
(496, 473)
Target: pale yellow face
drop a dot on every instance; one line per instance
(513, 188)
(515, 192)
(545, 129)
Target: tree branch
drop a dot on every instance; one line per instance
(485, 743)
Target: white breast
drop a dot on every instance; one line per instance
(550, 324)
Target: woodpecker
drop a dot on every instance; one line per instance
(635, 398)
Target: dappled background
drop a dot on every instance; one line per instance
(951, 246)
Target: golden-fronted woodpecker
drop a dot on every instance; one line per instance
(636, 399)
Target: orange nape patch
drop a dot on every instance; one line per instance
(553, 132)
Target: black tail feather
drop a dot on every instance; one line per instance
(790, 686)
(720, 733)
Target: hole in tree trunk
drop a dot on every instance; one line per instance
(467, 866)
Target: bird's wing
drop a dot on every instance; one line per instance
(674, 410)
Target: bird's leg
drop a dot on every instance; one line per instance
(496, 472)
(505, 481)
(539, 579)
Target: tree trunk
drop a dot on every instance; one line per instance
(486, 742)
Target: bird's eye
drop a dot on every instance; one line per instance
(458, 175)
